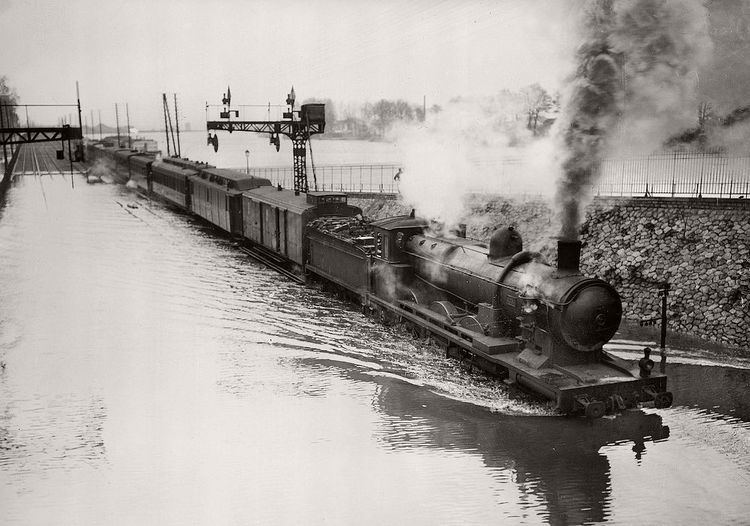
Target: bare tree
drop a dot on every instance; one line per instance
(536, 102)
(385, 112)
(705, 114)
(8, 96)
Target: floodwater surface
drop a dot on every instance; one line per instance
(153, 374)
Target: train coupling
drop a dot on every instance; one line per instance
(661, 400)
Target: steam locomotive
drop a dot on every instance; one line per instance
(499, 307)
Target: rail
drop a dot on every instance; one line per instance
(672, 174)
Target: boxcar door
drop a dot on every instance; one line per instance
(235, 214)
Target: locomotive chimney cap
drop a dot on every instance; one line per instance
(568, 254)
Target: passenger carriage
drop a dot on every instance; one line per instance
(172, 183)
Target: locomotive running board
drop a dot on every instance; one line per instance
(484, 346)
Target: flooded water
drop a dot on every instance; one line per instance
(152, 374)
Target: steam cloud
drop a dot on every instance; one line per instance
(465, 149)
(634, 87)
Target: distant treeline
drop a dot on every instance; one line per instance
(531, 107)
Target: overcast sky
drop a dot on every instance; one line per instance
(346, 50)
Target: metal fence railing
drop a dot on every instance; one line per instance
(363, 178)
(674, 174)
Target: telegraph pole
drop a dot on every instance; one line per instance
(117, 121)
(83, 155)
(166, 126)
(177, 125)
(78, 100)
(127, 116)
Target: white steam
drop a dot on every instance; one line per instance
(664, 43)
(733, 140)
(472, 146)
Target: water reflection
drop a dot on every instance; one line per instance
(721, 390)
(555, 462)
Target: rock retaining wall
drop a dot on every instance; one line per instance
(700, 246)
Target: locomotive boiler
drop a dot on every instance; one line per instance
(572, 311)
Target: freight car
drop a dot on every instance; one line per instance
(277, 219)
(499, 307)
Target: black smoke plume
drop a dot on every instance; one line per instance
(591, 111)
(634, 87)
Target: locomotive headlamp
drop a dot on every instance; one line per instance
(646, 364)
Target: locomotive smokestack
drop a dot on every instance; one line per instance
(568, 254)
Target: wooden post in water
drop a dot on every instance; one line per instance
(664, 292)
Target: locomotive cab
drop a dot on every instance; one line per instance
(392, 269)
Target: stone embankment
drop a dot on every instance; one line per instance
(701, 247)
